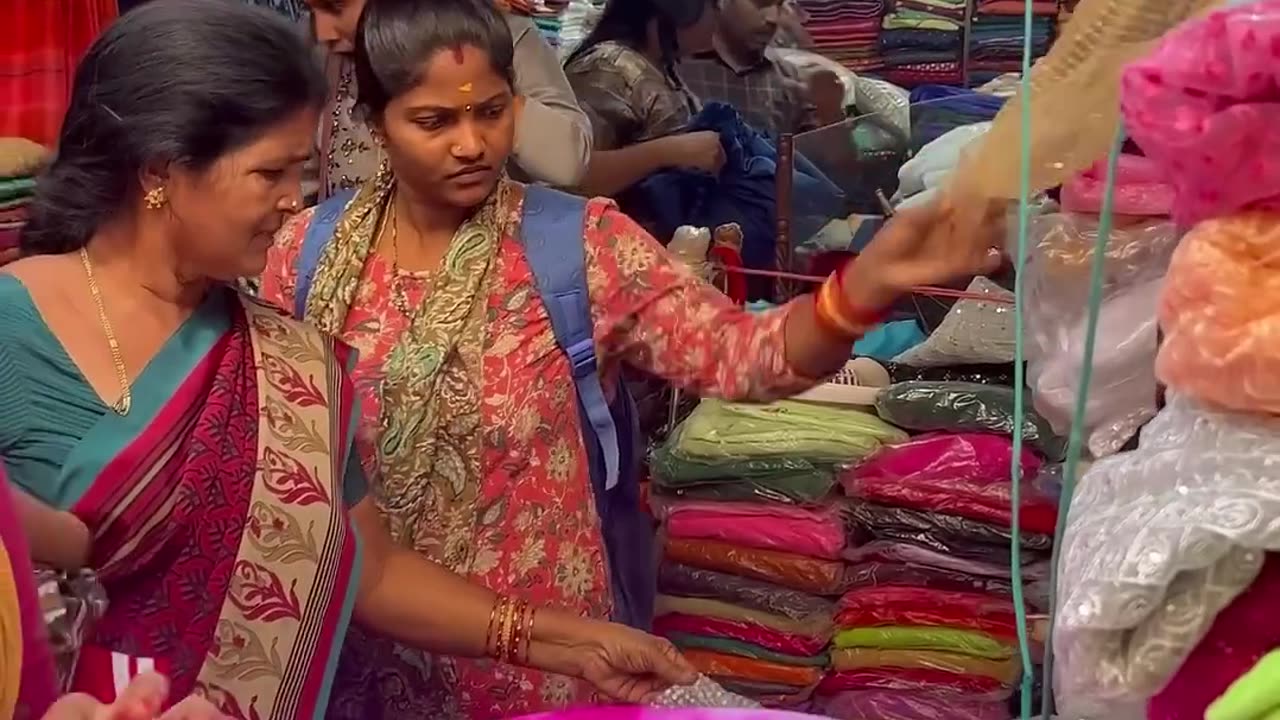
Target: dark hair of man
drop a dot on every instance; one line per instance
(179, 81)
(627, 22)
(396, 38)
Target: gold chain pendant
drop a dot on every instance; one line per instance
(121, 406)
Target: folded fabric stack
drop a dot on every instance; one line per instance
(996, 36)
(926, 629)
(20, 160)
(922, 42)
(939, 109)
(576, 22)
(846, 31)
(546, 15)
(753, 540)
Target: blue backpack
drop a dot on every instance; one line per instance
(551, 232)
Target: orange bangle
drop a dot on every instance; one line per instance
(491, 642)
(829, 317)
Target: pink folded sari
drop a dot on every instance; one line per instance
(813, 532)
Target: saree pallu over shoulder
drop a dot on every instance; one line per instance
(219, 526)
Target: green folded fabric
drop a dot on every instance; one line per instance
(966, 642)
(685, 641)
(15, 188)
(1255, 696)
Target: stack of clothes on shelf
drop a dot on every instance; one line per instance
(846, 31)
(939, 109)
(996, 36)
(753, 533)
(922, 42)
(927, 629)
(546, 15)
(20, 161)
(576, 22)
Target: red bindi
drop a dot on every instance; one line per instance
(457, 54)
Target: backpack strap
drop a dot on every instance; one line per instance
(551, 232)
(323, 220)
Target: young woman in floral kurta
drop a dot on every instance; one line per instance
(469, 436)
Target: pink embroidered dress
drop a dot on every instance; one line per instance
(535, 532)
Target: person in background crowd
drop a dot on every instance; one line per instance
(469, 433)
(791, 29)
(741, 70)
(203, 438)
(553, 140)
(625, 76)
(43, 41)
(295, 10)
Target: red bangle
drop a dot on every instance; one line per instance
(862, 317)
(827, 311)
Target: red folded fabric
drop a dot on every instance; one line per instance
(901, 605)
(754, 634)
(909, 679)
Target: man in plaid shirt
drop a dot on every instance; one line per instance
(773, 95)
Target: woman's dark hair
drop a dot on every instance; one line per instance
(395, 39)
(179, 81)
(627, 22)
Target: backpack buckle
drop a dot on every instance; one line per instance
(582, 355)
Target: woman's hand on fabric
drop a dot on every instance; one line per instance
(624, 664)
(923, 246)
(699, 150)
(141, 700)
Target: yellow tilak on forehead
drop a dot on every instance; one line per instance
(464, 88)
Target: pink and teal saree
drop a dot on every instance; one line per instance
(218, 517)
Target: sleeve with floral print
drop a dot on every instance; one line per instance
(651, 311)
(279, 278)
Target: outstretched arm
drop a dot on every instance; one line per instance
(419, 603)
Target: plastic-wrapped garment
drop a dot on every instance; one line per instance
(820, 577)
(885, 99)
(973, 331)
(771, 695)
(1006, 670)
(903, 606)
(967, 642)
(873, 704)
(729, 646)
(876, 573)
(1140, 189)
(952, 534)
(963, 474)
(990, 374)
(1035, 565)
(964, 407)
(1244, 633)
(705, 693)
(751, 633)
(909, 679)
(819, 628)
(721, 667)
(806, 490)
(1203, 106)
(817, 532)
(1220, 312)
(1123, 390)
(1159, 540)
(935, 161)
(719, 430)
(687, 581)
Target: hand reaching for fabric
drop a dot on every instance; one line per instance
(625, 664)
(699, 150)
(142, 700)
(1255, 696)
(922, 246)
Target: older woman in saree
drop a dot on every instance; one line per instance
(470, 436)
(202, 437)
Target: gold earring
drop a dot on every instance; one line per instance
(155, 198)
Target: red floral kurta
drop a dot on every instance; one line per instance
(541, 539)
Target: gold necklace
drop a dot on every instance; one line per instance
(398, 297)
(121, 406)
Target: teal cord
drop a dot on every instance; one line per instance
(1019, 381)
(1076, 439)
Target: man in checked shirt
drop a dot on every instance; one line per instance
(742, 70)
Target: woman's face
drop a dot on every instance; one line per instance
(224, 217)
(448, 136)
(335, 22)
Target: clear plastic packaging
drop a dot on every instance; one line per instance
(930, 167)
(991, 374)
(964, 474)
(973, 331)
(917, 704)
(913, 679)
(705, 693)
(964, 407)
(897, 606)
(719, 430)
(1159, 540)
(811, 575)
(968, 642)
(815, 532)
(1220, 312)
(994, 565)
(722, 667)
(1139, 189)
(688, 581)
(785, 643)
(878, 573)
(778, 479)
(1004, 670)
(817, 627)
(1057, 280)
